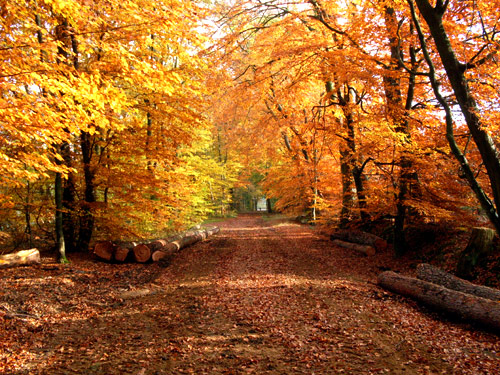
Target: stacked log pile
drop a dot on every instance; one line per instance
(359, 241)
(153, 250)
(447, 293)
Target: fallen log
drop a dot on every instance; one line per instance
(104, 250)
(212, 231)
(365, 249)
(123, 250)
(20, 258)
(153, 250)
(435, 275)
(158, 244)
(121, 253)
(462, 305)
(165, 251)
(188, 239)
(142, 253)
(359, 237)
(137, 293)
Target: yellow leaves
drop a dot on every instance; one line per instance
(134, 59)
(66, 8)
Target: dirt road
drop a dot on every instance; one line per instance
(262, 297)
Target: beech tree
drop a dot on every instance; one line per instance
(352, 72)
(479, 50)
(108, 97)
(139, 123)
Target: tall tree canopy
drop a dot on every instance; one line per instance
(128, 118)
(375, 109)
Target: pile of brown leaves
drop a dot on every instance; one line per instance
(262, 297)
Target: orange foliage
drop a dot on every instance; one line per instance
(280, 58)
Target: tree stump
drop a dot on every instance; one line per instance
(480, 243)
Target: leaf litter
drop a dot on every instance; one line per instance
(262, 297)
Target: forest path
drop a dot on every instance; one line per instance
(265, 296)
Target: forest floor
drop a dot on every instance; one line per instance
(264, 296)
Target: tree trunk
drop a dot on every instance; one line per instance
(398, 114)
(27, 214)
(435, 275)
(359, 237)
(365, 249)
(347, 198)
(20, 258)
(69, 201)
(463, 305)
(480, 244)
(87, 219)
(349, 157)
(61, 247)
(456, 73)
(61, 33)
(269, 206)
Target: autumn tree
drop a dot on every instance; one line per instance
(348, 78)
(108, 97)
(472, 28)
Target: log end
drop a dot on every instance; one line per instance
(370, 251)
(142, 253)
(121, 253)
(158, 255)
(104, 250)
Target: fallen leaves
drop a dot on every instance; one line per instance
(282, 301)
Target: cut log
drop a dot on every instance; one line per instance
(463, 305)
(158, 244)
(212, 231)
(190, 239)
(104, 250)
(121, 253)
(160, 254)
(165, 251)
(142, 253)
(365, 249)
(359, 237)
(20, 258)
(154, 250)
(435, 275)
(480, 243)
